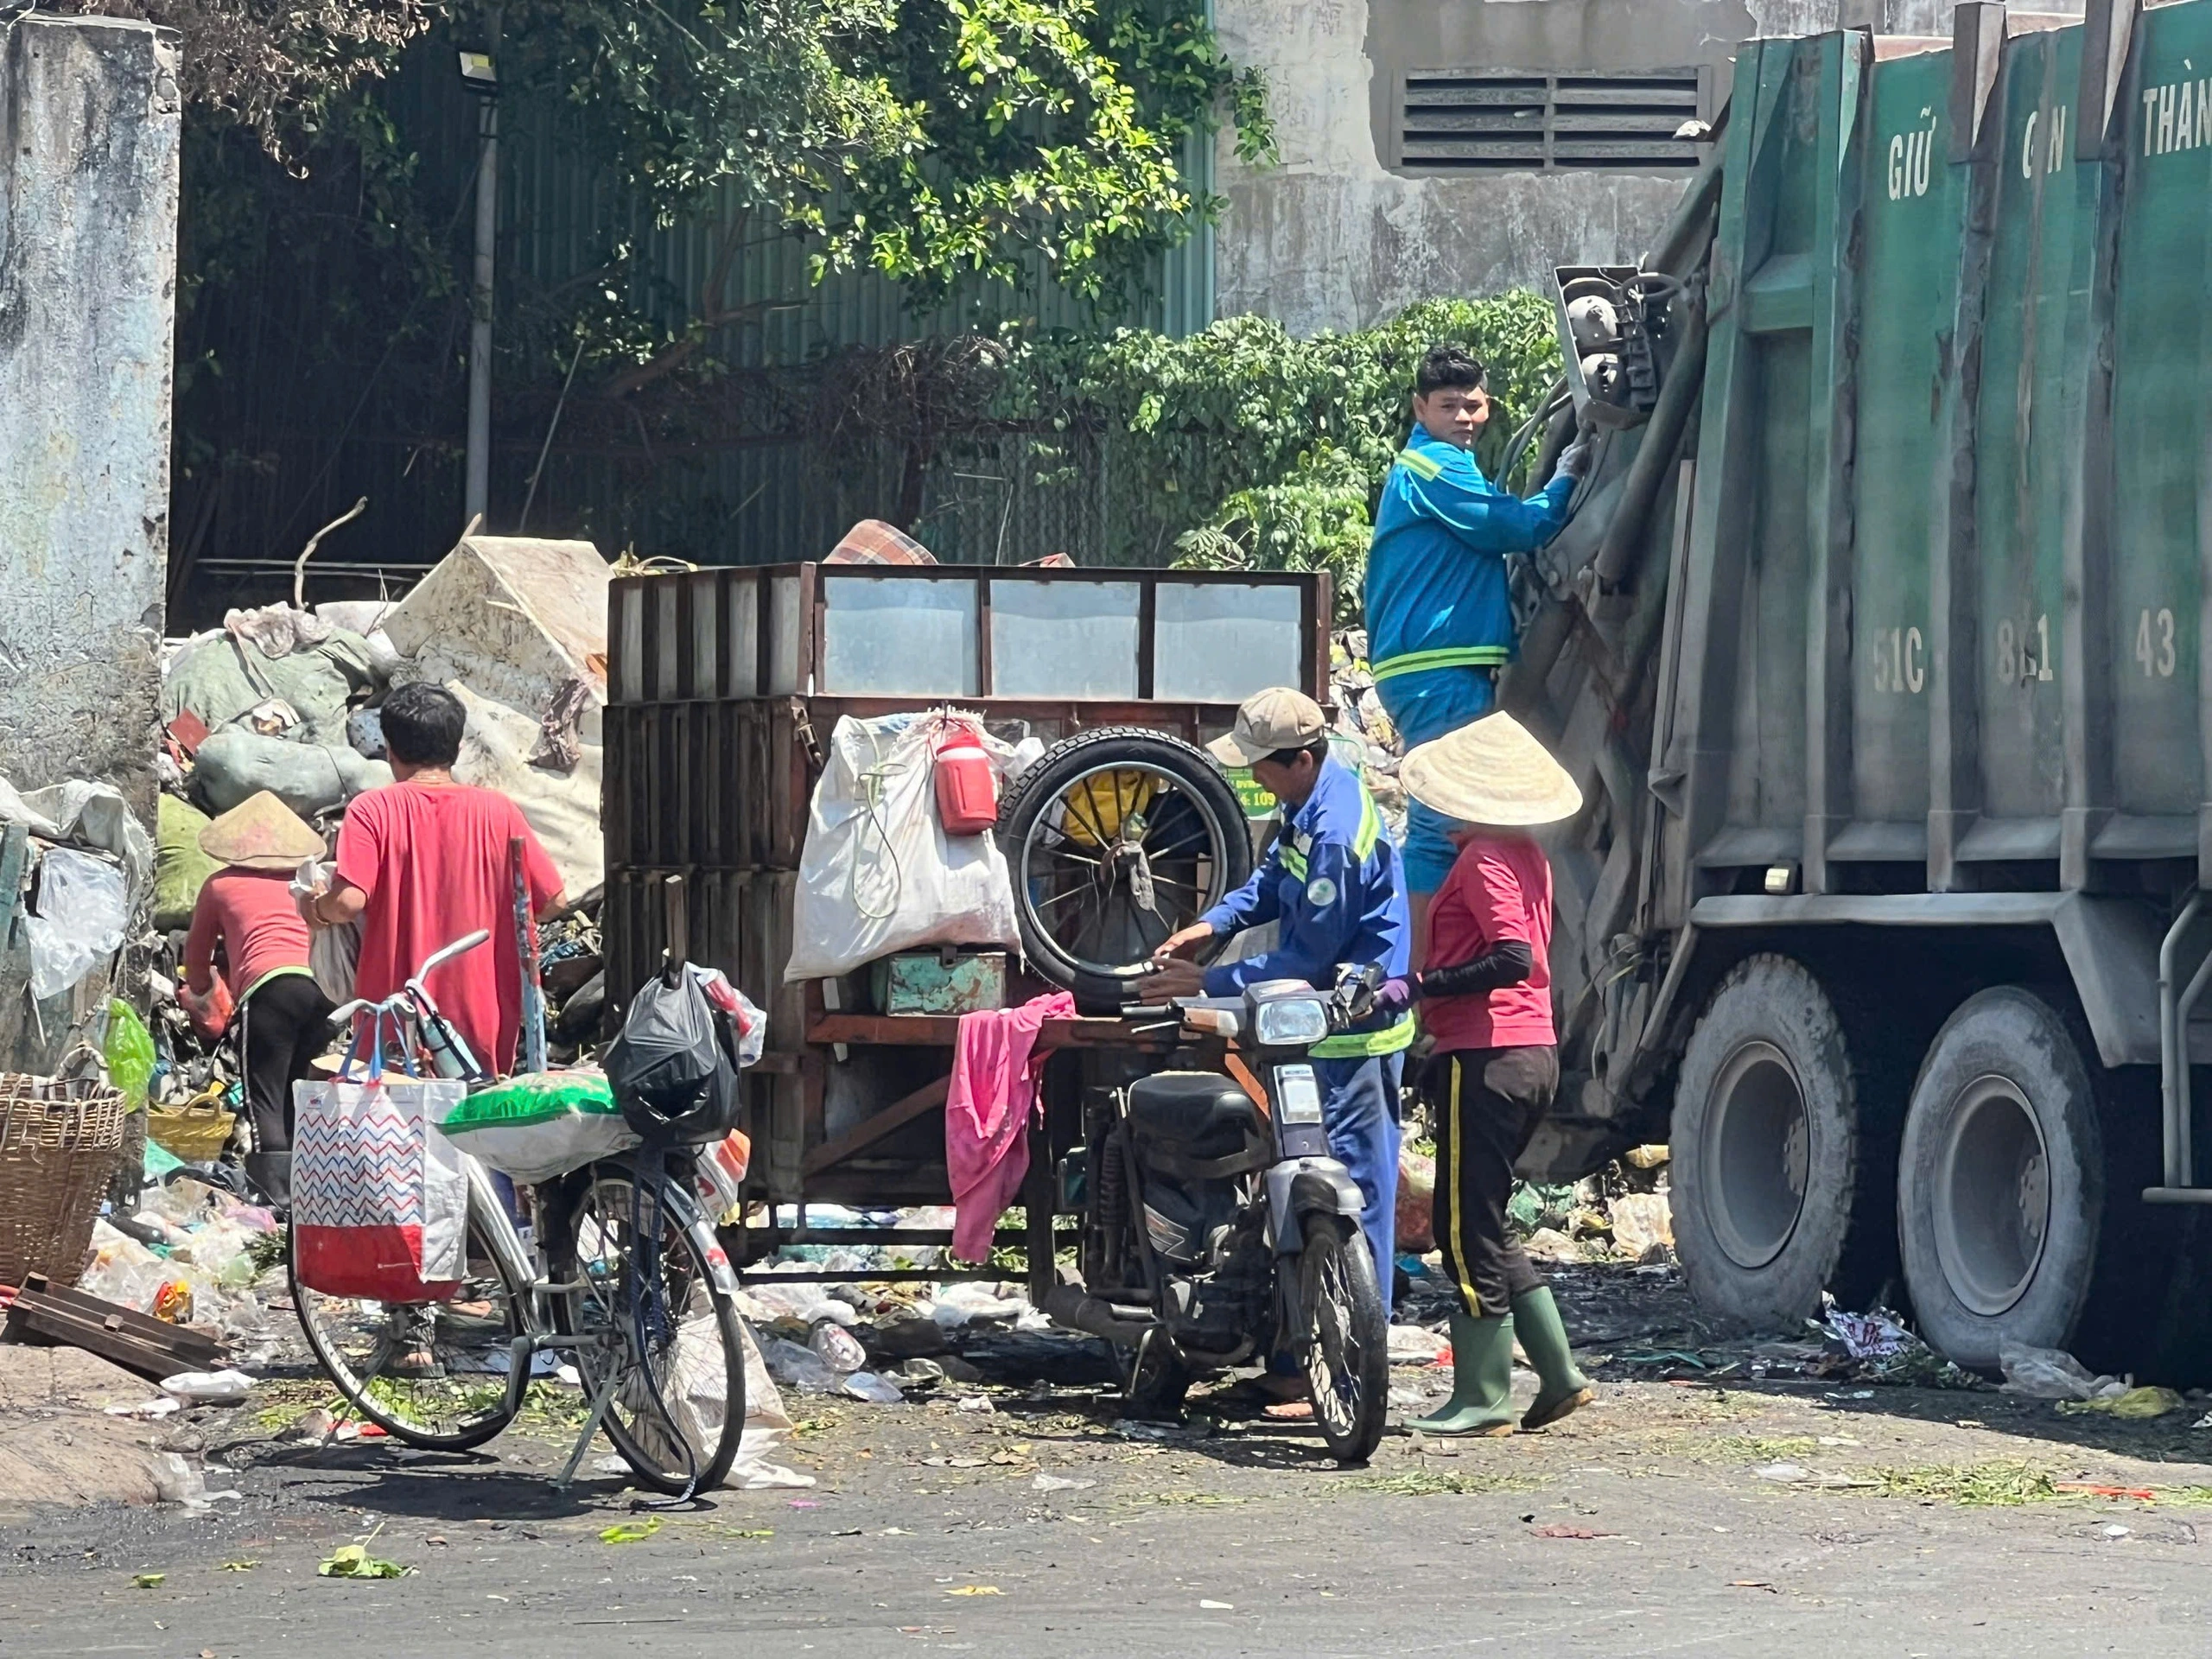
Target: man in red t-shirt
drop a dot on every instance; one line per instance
(1485, 993)
(424, 861)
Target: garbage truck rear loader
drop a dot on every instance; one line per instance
(1877, 646)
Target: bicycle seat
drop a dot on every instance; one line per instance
(1201, 1111)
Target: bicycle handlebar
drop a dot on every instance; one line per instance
(397, 1002)
(460, 947)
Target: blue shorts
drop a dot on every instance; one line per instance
(1424, 707)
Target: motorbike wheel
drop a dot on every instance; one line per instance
(1344, 1339)
(1117, 837)
(1157, 1383)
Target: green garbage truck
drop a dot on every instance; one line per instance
(1877, 646)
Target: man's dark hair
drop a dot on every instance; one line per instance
(1318, 748)
(1448, 366)
(423, 725)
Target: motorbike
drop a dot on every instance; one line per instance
(1218, 1231)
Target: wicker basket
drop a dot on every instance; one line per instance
(196, 1132)
(58, 1145)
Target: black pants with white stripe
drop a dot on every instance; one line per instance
(1487, 1103)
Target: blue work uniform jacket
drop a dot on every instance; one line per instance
(1331, 881)
(1436, 591)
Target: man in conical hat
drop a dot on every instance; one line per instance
(247, 906)
(1484, 990)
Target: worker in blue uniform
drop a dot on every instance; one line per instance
(1332, 884)
(1439, 613)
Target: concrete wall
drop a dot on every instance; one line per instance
(88, 203)
(1330, 238)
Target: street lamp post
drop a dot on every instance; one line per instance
(479, 74)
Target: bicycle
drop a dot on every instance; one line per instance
(627, 1278)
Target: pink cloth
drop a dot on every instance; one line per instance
(987, 1114)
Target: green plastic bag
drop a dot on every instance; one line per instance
(541, 1125)
(129, 1051)
(181, 870)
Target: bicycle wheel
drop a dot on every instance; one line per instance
(1344, 1347)
(677, 1357)
(373, 1351)
(1117, 837)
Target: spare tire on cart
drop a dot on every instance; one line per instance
(1115, 839)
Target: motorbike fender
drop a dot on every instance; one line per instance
(1307, 1186)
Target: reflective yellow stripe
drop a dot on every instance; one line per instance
(1370, 826)
(1417, 661)
(1293, 860)
(1420, 466)
(1458, 1241)
(1364, 1044)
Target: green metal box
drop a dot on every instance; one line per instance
(934, 981)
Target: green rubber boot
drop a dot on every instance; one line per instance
(1563, 1389)
(1482, 1380)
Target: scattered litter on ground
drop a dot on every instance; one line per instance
(1422, 1483)
(1218, 1606)
(223, 1387)
(2052, 1374)
(1641, 1223)
(1059, 1484)
(1880, 1348)
(1412, 1345)
(1559, 1531)
(975, 1590)
(149, 1580)
(630, 1532)
(2134, 1404)
(354, 1562)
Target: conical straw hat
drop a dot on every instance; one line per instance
(261, 834)
(1492, 772)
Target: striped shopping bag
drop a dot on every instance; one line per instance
(380, 1197)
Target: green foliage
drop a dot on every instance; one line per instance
(1252, 450)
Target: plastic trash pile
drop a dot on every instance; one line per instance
(1877, 1347)
(89, 872)
(192, 1254)
(871, 1343)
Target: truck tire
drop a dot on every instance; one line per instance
(2001, 1179)
(1078, 895)
(1783, 1127)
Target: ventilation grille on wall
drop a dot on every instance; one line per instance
(1491, 121)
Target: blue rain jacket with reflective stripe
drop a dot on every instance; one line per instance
(1436, 590)
(1331, 881)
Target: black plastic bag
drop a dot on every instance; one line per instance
(674, 1066)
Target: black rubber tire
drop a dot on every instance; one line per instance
(1335, 1247)
(2001, 1179)
(1792, 1196)
(1057, 771)
(361, 1401)
(703, 1247)
(1159, 1382)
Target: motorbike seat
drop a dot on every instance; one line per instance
(1201, 1111)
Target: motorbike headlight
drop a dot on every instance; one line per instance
(1290, 1022)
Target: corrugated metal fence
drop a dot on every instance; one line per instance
(760, 490)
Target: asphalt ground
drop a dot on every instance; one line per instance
(1684, 1512)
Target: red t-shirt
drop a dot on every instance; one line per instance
(254, 914)
(1500, 888)
(432, 860)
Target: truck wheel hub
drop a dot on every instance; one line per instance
(1755, 1154)
(1994, 1196)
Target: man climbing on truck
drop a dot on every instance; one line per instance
(1332, 883)
(1439, 615)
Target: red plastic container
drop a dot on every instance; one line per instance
(967, 787)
